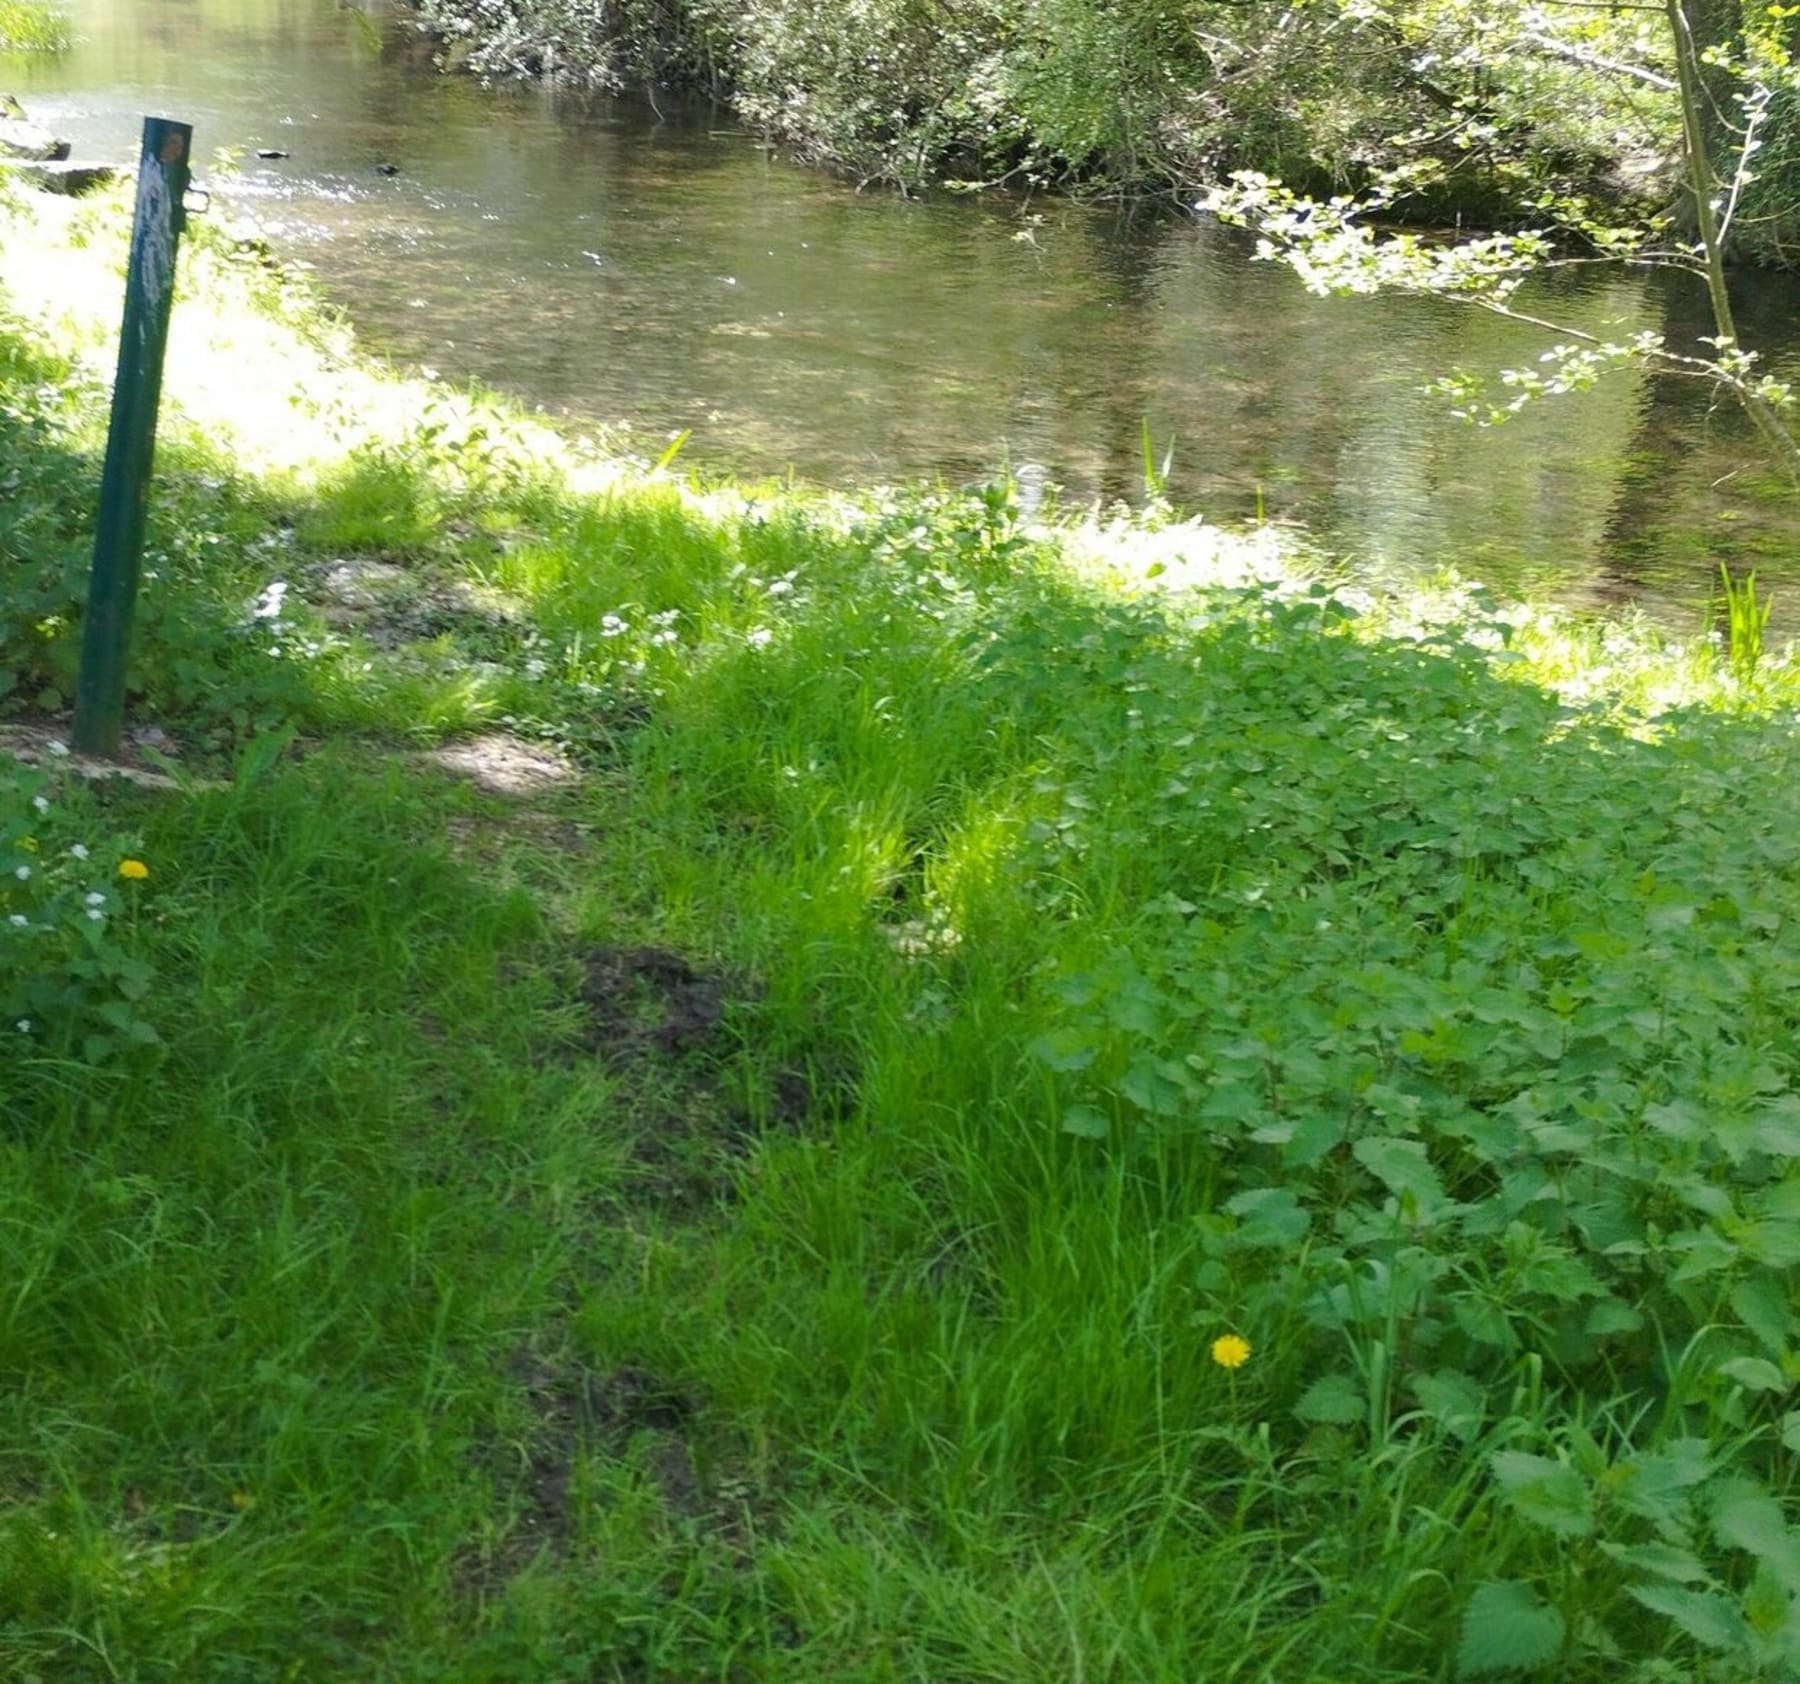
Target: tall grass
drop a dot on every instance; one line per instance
(764, 1206)
(27, 27)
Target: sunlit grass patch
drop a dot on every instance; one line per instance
(1010, 1100)
(28, 27)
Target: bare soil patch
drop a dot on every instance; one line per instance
(504, 764)
(649, 998)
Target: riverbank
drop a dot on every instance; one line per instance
(27, 27)
(699, 1082)
(1546, 125)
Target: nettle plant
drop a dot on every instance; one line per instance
(71, 982)
(1483, 1063)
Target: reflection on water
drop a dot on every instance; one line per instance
(604, 261)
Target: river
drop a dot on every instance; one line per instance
(633, 259)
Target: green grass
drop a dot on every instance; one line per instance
(26, 27)
(1093, 940)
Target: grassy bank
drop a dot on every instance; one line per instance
(26, 27)
(701, 1083)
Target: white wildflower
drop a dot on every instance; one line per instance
(95, 913)
(758, 637)
(94, 898)
(19, 921)
(78, 851)
(23, 873)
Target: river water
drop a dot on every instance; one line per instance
(631, 260)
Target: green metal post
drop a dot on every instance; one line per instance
(131, 440)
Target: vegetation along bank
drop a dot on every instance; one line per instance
(1481, 110)
(685, 1081)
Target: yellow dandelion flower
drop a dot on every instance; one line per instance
(1229, 1351)
(136, 870)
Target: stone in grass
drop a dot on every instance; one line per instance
(359, 582)
(60, 176)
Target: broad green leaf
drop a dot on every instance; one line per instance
(1754, 1374)
(1268, 1217)
(1086, 1122)
(1508, 1628)
(1453, 1400)
(1747, 1517)
(1137, 1007)
(1706, 1617)
(1145, 1086)
(1402, 1167)
(1656, 1485)
(1769, 1600)
(1484, 1322)
(1065, 1049)
(1336, 1398)
(1664, 1560)
(1313, 1136)
(1762, 1307)
(1778, 1128)
(1679, 1120)
(1559, 1274)
(1548, 1493)
(1706, 1252)
(1775, 1244)
(1610, 1315)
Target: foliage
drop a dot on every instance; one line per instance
(1218, 1079)
(1746, 622)
(28, 27)
(70, 983)
(1487, 108)
(1333, 249)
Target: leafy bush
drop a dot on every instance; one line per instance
(1477, 110)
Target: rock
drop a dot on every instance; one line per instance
(361, 583)
(270, 152)
(387, 169)
(21, 138)
(60, 176)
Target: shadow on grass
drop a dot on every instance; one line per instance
(1180, 965)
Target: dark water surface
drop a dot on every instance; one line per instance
(609, 262)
